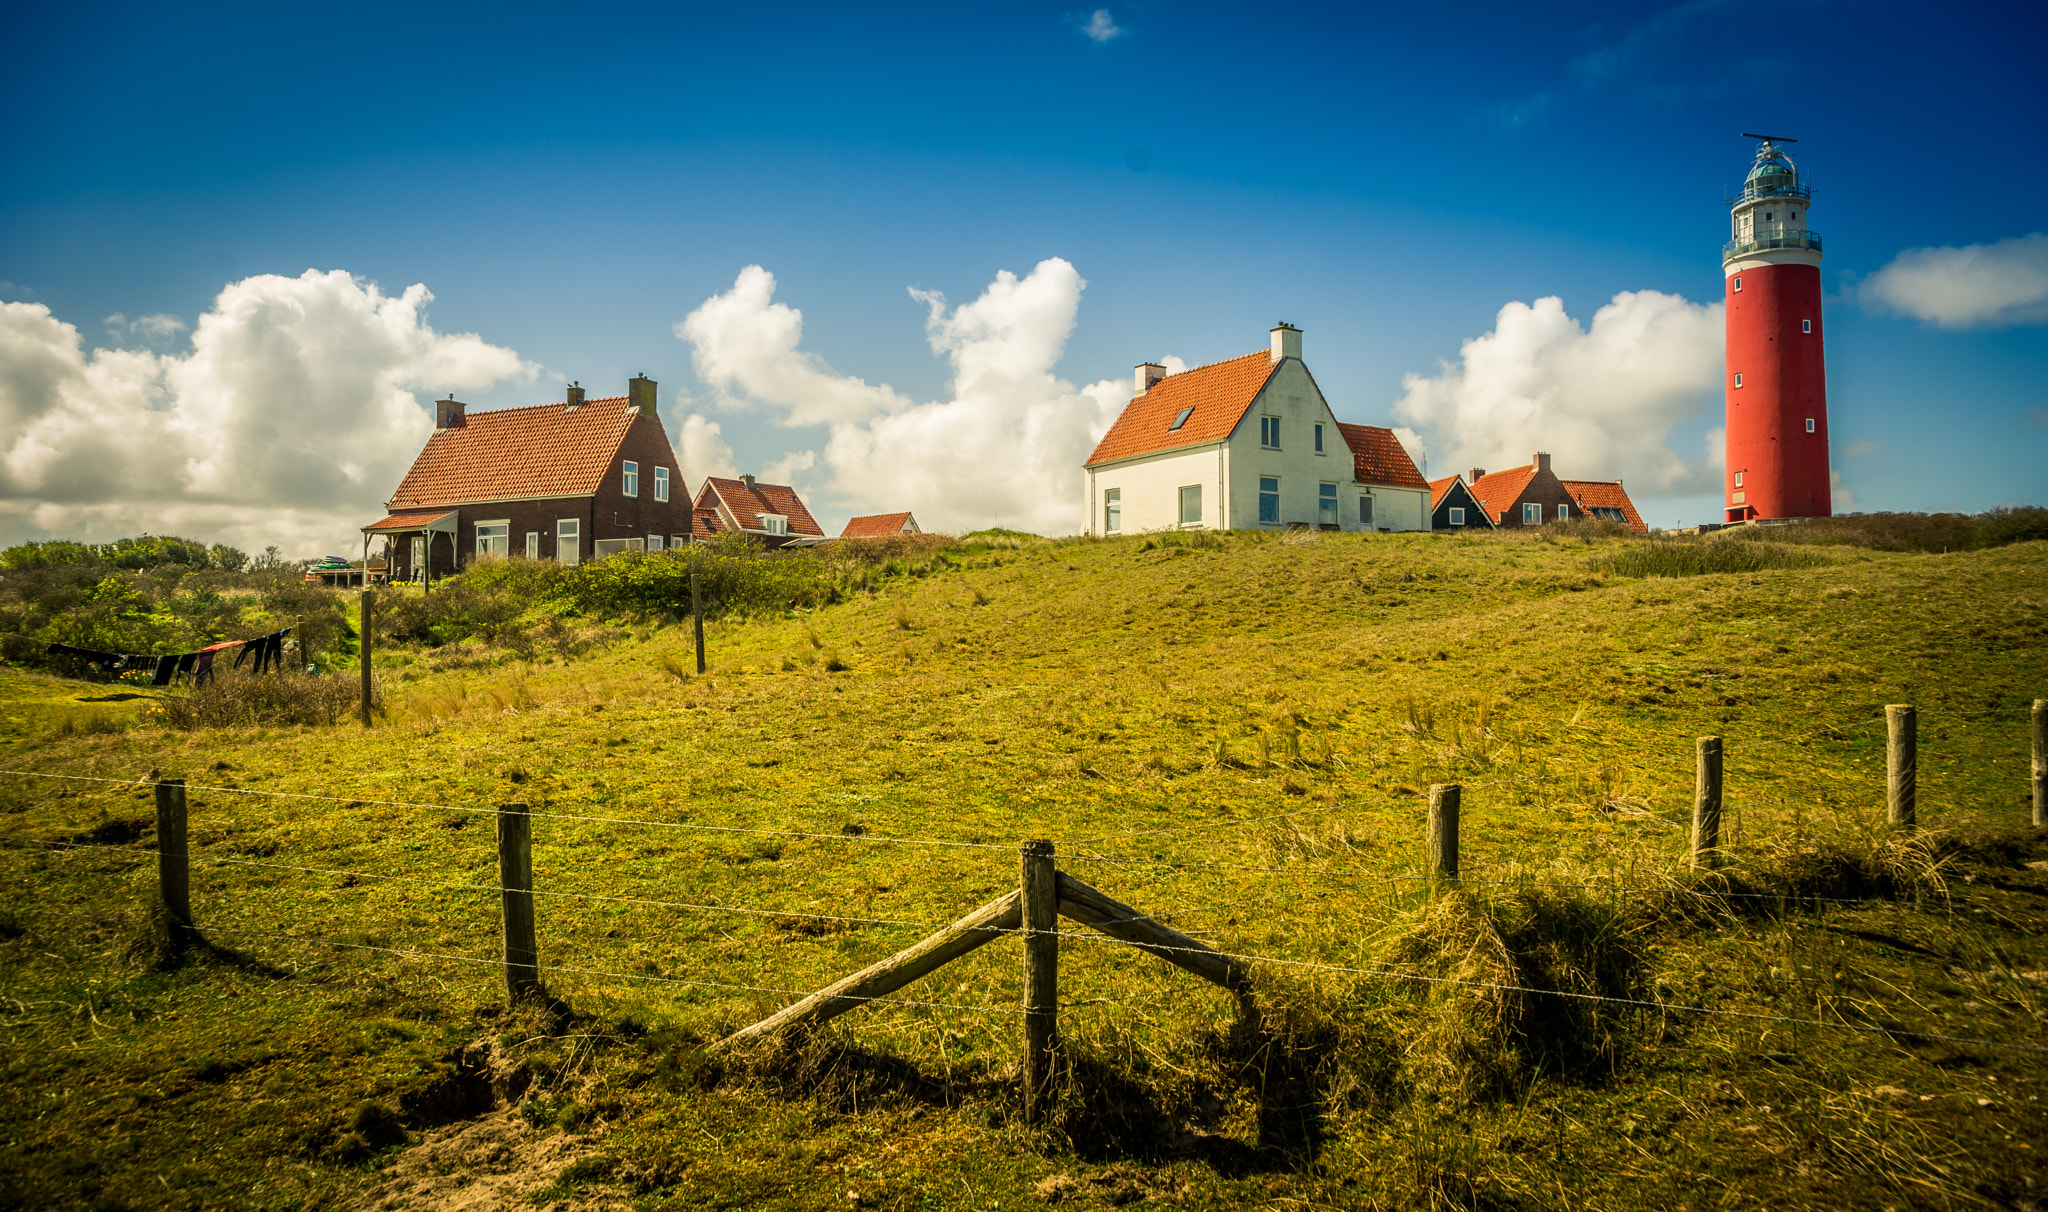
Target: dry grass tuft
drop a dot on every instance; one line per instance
(233, 700)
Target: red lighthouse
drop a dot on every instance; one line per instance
(1777, 378)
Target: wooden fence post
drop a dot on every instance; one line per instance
(1038, 888)
(363, 629)
(697, 614)
(173, 857)
(1443, 830)
(2040, 763)
(1706, 804)
(515, 880)
(1902, 764)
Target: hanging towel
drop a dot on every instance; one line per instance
(165, 667)
(109, 662)
(202, 666)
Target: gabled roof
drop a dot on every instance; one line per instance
(875, 526)
(747, 504)
(406, 521)
(1218, 395)
(511, 453)
(1501, 489)
(1594, 494)
(1439, 489)
(1377, 457)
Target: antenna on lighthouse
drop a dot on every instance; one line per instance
(1769, 138)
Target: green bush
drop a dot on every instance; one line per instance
(734, 575)
(1703, 557)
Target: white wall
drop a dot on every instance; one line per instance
(1151, 487)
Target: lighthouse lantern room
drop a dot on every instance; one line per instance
(1776, 375)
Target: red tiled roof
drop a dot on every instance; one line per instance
(875, 526)
(406, 521)
(1377, 457)
(1501, 489)
(747, 504)
(511, 453)
(1219, 394)
(1605, 493)
(1438, 489)
(704, 522)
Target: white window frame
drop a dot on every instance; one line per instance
(1806, 326)
(1738, 284)
(1112, 510)
(500, 531)
(773, 523)
(1326, 503)
(1809, 425)
(1738, 479)
(1738, 379)
(1531, 512)
(533, 544)
(1564, 513)
(1269, 433)
(1182, 505)
(661, 484)
(1457, 515)
(1273, 492)
(1319, 437)
(568, 542)
(654, 542)
(629, 479)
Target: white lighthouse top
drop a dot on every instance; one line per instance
(1767, 220)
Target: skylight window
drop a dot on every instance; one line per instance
(1180, 419)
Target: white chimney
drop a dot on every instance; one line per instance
(1147, 374)
(1286, 341)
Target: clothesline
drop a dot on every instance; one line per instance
(267, 649)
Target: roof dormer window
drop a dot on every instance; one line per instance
(774, 523)
(1181, 418)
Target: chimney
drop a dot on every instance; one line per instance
(1148, 373)
(1286, 341)
(748, 480)
(1472, 476)
(448, 412)
(574, 400)
(640, 394)
(1542, 461)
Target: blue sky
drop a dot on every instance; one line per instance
(570, 184)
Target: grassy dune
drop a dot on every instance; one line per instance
(1234, 733)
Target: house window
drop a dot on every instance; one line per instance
(1269, 498)
(631, 486)
(1809, 424)
(568, 537)
(654, 542)
(1365, 511)
(1532, 513)
(1457, 515)
(1326, 504)
(1738, 378)
(1269, 432)
(774, 523)
(1191, 504)
(1180, 418)
(1564, 513)
(533, 544)
(493, 538)
(1806, 326)
(677, 540)
(1738, 286)
(1738, 479)
(1112, 510)
(419, 557)
(1319, 439)
(661, 483)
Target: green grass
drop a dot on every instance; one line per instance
(1148, 700)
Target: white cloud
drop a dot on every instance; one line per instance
(1976, 286)
(1603, 401)
(162, 324)
(289, 422)
(701, 451)
(1101, 26)
(1007, 447)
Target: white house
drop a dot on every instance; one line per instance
(1247, 444)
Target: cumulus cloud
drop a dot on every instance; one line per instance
(701, 450)
(1007, 446)
(288, 423)
(1976, 286)
(1603, 400)
(1101, 26)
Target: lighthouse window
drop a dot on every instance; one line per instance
(1738, 286)
(1806, 326)
(1738, 378)
(1809, 424)
(1738, 479)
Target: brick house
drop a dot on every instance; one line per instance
(1453, 507)
(563, 482)
(880, 526)
(772, 513)
(1524, 496)
(1605, 499)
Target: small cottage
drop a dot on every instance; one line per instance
(879, 526)
(1524, 496)
(772, 513)
(1605, 499)
(1453, 507)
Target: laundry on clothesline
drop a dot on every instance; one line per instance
(267, 649)
(109, 662)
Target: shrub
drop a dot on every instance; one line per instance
(237, 699)
(1702, 557)
(733, 575)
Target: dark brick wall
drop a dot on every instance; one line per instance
(609, 514)
(1544, 489)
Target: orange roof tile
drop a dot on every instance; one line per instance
(1218, 395)
(1377, 457)
(747, 504)
(1438, 488)
(513, 453)
(1608, 494)
(1501, 489)
(875, 526)
(406, 521)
